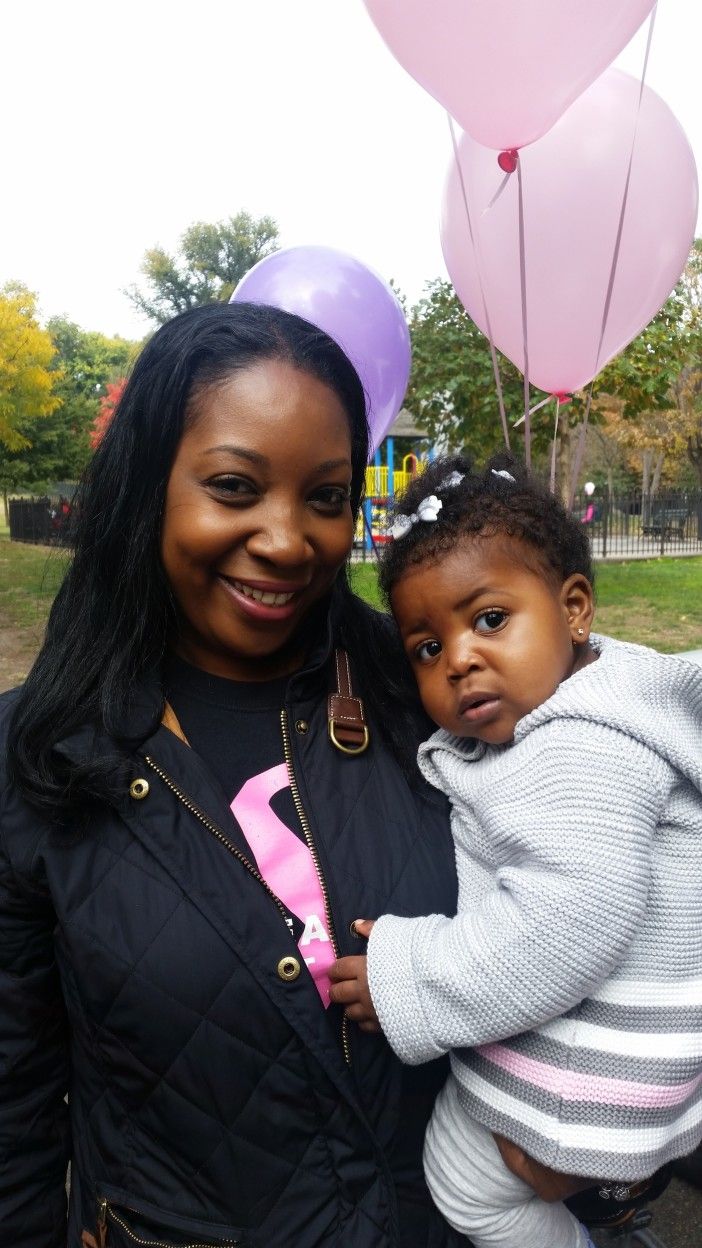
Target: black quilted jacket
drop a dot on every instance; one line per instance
(144, 971)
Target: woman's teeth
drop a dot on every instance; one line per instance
(267, 598)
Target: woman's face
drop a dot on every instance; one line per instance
(257, 518)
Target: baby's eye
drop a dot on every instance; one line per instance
(427, 650)
(490, 621)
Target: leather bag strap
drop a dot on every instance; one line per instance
(348, 729)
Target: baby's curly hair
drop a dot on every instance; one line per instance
(486, 504)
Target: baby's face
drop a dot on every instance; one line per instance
(490, 636)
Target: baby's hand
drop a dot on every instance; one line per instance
(349, 988)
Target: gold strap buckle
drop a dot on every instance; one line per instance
(348, 749)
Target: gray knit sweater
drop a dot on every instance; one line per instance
(569, 986)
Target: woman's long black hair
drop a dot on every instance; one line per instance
(111, 620)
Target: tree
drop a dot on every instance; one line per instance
(650, 448)
(209, 263)
(39, 462)
(688, 388)
(688, 397)
(655, 385)
(643, 376)
(26, 353)
(108, 402)
(90, 362)
(57, 447)
(452, 386)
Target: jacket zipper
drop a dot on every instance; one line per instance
(105, 1210)
(223, 840)
(304, 822)
(218, 833)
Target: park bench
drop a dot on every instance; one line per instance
(667, 522)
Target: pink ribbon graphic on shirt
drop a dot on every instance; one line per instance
(286, 864)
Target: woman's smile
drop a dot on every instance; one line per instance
(262, 601)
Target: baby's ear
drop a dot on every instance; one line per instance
(579, 605)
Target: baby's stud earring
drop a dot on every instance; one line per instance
(581, 632)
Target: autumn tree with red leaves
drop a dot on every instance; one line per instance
(113, 393)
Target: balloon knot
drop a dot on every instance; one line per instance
(508, 160)
(562, 398)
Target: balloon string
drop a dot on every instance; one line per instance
(525, 334)
(625, 197)
(497, 194)
(493, 352)
(552, 482)
(615, 260)
(537, 408)
(580, 448)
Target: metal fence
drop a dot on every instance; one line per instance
(42, 521)
(639, 526)
(620, 526)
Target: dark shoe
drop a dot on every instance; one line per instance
(690, 1168)
(607, 1205)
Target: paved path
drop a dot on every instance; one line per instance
(677, 1217)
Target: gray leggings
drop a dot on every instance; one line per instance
(479, 1196)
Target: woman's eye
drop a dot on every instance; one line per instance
(427, 651)
(331, 498)
(232, 487)
(490, 621)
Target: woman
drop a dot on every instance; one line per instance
(189, 826)
(153, 950)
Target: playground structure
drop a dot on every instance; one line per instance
(385, 482)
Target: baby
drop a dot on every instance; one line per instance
(568, 988)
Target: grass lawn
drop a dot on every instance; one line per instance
(29, 578)
(656, 602)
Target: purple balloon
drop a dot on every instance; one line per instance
(352, 304)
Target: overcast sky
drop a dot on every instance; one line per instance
(122, 123)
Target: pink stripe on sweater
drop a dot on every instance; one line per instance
(571, 1085)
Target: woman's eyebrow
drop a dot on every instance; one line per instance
(254, 457)
(243, 452)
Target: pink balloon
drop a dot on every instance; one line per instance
(573, 181)
(506, 69)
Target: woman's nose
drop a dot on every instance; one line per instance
(279, 538)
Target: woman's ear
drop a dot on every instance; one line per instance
(579, 605)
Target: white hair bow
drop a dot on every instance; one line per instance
(502, 472)
(452, 480)
(427, 511)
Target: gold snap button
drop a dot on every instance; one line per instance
(301, 725)
(139, 789)
(288, 969)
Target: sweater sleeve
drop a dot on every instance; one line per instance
(571, 819)
(34, 1138)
